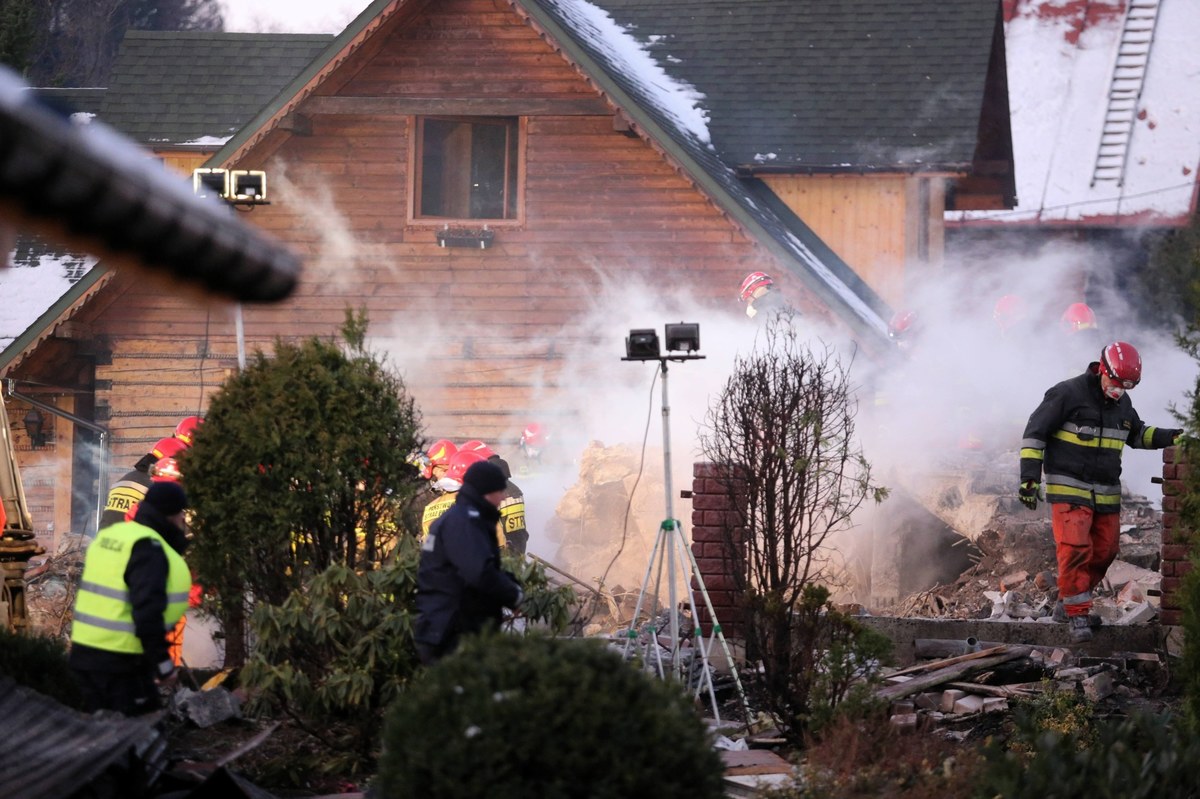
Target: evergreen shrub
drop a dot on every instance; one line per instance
(39, 663)
(511, 717)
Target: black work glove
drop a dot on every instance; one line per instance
(1028, 493)
(1174, 433)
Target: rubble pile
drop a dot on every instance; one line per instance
(953, 696)
(606, 524)
(50, 584)
(1012, 577)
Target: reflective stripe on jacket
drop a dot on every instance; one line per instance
(1076, 436)
(103, 616)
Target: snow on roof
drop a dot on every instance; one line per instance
(30, 288)
(677, 100)
(206, 141)
(1061, 56)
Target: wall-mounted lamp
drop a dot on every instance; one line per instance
(247, 186)
(210, 182)
(35, 426)
(238, 187)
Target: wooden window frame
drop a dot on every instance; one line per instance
(415, 175)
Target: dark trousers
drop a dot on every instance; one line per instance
(127, 692)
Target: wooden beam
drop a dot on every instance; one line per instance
(296, 124)
(455, 106)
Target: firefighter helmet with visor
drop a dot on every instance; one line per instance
(752, 283)
(1122, 364)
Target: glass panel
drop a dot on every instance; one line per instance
(468, 169)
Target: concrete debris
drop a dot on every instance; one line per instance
(206, 708)
(1013, 574)
(939, 700)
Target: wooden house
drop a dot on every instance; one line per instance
(480, 163)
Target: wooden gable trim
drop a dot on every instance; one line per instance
(286, 110)
(454, 106)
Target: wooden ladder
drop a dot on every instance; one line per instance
(1129, 76)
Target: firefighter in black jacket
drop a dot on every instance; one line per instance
(1076, 436)
(460, 586)
(133, 591)
(127, 492)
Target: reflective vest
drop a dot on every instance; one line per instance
(439, 505)
(103, 615)
(433, 511)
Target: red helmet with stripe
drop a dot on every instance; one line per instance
(165, 470)
(475, 445)
(185, 431)
(1122, 364)
(752, 283)
(168, 448)
(460, 462)
(439, 455)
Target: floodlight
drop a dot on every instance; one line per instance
(642, 345)
(210, 182)
(248, 185)
(682, 337)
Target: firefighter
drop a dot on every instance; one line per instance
(1080, 333)
(533, 442)
(448, 484)
(129, 490)
(461, 588)
(903, 329)
(133, 590)
(1076, 436)
(1008, 314)
(512, 507)
(759, 294)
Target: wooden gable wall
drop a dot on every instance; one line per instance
(594, 199)
(886, 227)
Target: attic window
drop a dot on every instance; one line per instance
(467, 168)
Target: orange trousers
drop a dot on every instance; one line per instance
(1086, 543)
(175, 639)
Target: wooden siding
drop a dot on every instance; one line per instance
(881, 225)
(183, 162)
(481, 337)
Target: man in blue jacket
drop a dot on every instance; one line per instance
(461, 588)
(1076, 435)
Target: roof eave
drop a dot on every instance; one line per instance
(312, 76)
(43, 326)
(649, 127)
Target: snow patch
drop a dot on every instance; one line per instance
(677, 100)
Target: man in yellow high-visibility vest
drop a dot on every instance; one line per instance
(133, 591)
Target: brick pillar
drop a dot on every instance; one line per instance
(1176, 539)
(712, 522)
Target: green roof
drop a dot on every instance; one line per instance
(195, 87)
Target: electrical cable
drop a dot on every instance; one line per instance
(632, 490)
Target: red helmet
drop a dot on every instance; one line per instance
(902, 325)
(1122, 363)
(1009, 310)
(439, 455)
(1078, 316)
(186, 429)
(752, 283)
(460, 462)
(165, 470)
(168, 448)
(533, 438)
(475, 445)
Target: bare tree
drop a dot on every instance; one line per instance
(783, 427)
